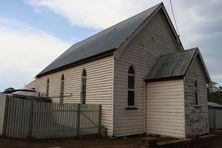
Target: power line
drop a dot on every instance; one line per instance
(174, 16)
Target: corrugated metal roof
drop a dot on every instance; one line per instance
(26, 93)
(2, 94)
(101, 42)
(172, 65)
(212, 104)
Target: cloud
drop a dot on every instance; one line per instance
(199, 24)
(94, 14)
(25, 51)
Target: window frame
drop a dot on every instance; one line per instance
(83, 86)
(47, 87)
(196, 93)
(131, 87)
(62, 86)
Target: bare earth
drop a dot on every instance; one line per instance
(91, 142)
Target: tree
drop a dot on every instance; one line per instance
(9, 90)
(215, 93)
(212, 87)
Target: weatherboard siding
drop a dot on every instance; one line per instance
(196, 117)
(154, 40)
(165, 108)
(99, 86)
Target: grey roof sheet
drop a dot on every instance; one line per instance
(2, 94)
(172, 65)
(101, 42)
(212, 104)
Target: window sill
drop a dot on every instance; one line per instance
(197, 106)
(131, 108)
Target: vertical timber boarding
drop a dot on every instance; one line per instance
(25, 118)
(78, 121)
(30, 127)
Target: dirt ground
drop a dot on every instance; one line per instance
(90, 142)
(101, 142)
(84, 142)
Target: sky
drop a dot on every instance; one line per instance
(35, 32)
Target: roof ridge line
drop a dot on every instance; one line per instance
(114, 37)
(140, 26)
(105, 29)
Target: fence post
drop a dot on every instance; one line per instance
(31, 119)
(78, 120)
(5, 115)
(100, 114)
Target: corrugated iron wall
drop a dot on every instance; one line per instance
(215, 118)
(2, 112)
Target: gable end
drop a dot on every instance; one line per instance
(199, 56)
(161, 9)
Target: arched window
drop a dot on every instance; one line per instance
(83, 92)
(196, 92)
(62, 82)
(131, 81)
(47, 87)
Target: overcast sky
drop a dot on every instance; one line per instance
(34, 32)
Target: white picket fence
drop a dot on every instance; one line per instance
(26, 118)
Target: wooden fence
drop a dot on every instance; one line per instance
(42, 120)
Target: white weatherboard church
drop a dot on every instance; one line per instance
(139, 72)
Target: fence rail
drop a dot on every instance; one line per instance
(26, 118)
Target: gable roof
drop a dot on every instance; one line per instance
(175, 65)
(103, 42)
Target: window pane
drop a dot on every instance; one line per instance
(131, 82)
(196, 92)
(84, 81)
(83, 97)
(131, 71)
(83, 88)
(47, 88)
(195, 83)
(84, 73)
(131, 98)
(62, 89)
(196, 99)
